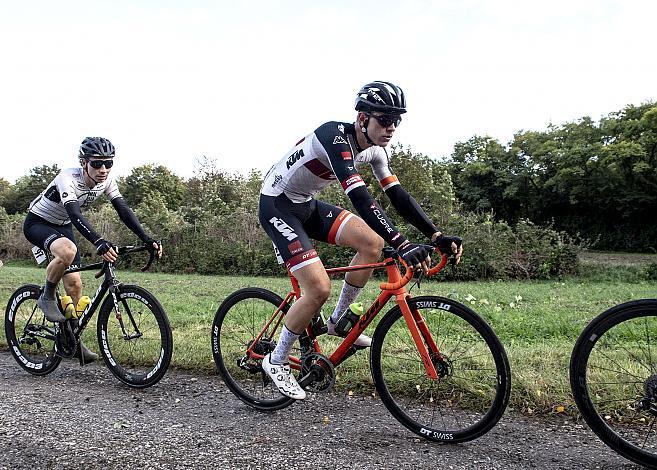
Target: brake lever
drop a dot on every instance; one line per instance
(102, 270)
(151, 257)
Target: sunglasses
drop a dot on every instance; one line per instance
(386, 120)
(98, 163)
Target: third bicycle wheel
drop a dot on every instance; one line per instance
(613, 376)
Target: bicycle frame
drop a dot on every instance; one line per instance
(110, 283)
(395, 287)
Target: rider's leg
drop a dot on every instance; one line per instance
(358, 235)
(63, 251)
(316, 288)
(73, 286)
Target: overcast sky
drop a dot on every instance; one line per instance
(170, 81)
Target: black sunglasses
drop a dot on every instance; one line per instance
(386, 120)
(98, 163)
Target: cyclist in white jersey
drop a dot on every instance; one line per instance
(52, 214)
(292, 217)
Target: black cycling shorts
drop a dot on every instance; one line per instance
(291, 225)
(42, 233)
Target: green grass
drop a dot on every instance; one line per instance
(538, 322)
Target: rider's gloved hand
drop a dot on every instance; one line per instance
(154, 245)
(416, 255)
(450, 246)
(106, 250)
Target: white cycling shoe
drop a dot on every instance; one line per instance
(362, 341)
(282, 377)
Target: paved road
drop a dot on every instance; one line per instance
(84, 418)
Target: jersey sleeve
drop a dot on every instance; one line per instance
(380, 164)
(112, 189)
(336, 146)
(66, 187)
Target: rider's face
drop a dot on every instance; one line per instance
(381, 133)
(99, 174)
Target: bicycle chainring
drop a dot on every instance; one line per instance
(317, 373)
(66, 343)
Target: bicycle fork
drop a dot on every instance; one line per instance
(424, 342)
(119, 316)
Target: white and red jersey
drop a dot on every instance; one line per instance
(329, 153)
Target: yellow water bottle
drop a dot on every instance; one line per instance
(349, 318)
(67, 306)
(82, 305)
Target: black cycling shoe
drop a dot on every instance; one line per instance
(50, 309)
(85, 355)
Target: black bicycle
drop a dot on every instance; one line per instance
(613, 376)
(133, 330)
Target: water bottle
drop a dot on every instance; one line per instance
(82, 305)
(68, 309)
(349, 318)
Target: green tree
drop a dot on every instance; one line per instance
(152, 179)
(28, 187)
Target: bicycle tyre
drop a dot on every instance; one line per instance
(27, 329)
(137, 361)
(473, 392)
(239, 319)
(624, 427)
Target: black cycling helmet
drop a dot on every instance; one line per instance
(381, 96)
(96, 147)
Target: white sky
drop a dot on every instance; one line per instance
(169, 81)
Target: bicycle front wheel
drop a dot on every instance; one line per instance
(239, 321)
(613, 376)
(474, 380)
(30, 336)
(136, 342)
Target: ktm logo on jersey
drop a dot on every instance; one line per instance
(292, 159)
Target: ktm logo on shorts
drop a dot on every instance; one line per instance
(283, 228)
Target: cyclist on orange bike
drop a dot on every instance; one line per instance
(52, 214)
(291, 216)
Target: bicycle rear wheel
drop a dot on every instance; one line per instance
(137, 344)
(613, 376)
(474, 383)
(30, 336)
(239, 320)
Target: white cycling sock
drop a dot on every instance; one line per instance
(283, 347)
(348, 295)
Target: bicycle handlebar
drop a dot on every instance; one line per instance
(124, 250)
(409, 272)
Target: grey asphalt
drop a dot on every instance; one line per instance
(84, 418)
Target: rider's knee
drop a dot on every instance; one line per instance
(319, 292)
(65, 251)
(372, 246)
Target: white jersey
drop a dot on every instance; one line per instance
(326, 155)
(69, 185)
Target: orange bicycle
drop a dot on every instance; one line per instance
(438, 367)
